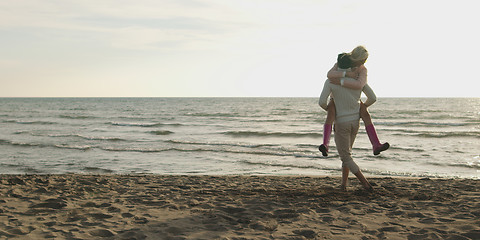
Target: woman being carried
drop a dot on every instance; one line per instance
(350, 72)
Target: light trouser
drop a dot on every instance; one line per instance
(345, 134)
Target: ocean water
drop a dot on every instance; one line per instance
(429, 137)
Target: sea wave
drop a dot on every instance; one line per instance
(97, 138)
(202, 148)
(112, 139)
(19, 167)
(449, 134)
(260, 120)
(74, 147)
(271, 134)
(288, 165)
(30, 122)
(268, 152)
(159, 132)
(474, 121)
(246, 145)
(426, 124)
(470, 164)
(443, 134)
(203, 114)
(74, 116)
(45, 145)
(97, 170)
(146, 125)
(433, 134)
(22, 144)
(408, 149)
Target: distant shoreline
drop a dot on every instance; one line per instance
(224, 97)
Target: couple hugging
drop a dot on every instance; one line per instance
(346, 81)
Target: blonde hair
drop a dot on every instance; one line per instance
(359, 53)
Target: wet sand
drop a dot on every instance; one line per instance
(77, 206)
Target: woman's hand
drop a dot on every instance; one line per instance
(352, 74)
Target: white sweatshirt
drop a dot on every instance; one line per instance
(347, 101)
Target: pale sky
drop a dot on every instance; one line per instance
(240, 48)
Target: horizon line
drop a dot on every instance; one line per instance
(227, 97)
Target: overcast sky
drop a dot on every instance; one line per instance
(202, 48)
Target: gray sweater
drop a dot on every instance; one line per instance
(347, 101)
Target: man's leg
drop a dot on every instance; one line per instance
(343, 143)
(345, 134)
(345, 172)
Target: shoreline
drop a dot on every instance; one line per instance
(367, 175)
(151, 206)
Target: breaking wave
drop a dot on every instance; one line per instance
(271, 134)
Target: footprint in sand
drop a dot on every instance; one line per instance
(100, 216)
(53, 203)
(285, 213)
(101, 233)
(307, 233)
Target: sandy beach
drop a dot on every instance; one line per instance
(235, 207)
